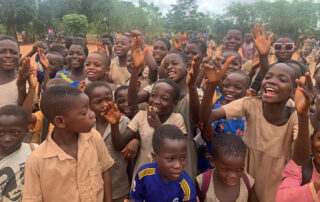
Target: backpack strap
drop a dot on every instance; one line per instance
(205, 183)
(307, 169)
(31, 147)
(246, 181)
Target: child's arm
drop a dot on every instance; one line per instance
(107, 186)
(112, 115)
(45, 64)
(34, 49)
(303, 99)
(153, 67)
(253, 195)
(214, 73)
(263, 46)
(138, 58)
(27, 104)
(23, 73)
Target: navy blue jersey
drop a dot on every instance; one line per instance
(149, 187)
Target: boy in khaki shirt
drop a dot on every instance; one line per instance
(73, 163)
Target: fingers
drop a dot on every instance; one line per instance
(270, 37)
(309, 81)
(263, 30)
(256, 30)
(228, 62)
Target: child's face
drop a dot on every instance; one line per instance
(99, 97)
(80, 118)
(192, 50)
(283, 54)
(76, 56)
(175, 68)
(45, 48)
(122, 102)
(122, 46)
(278, 84)
(55, 64)
(234, 87)
(160, 50)
(12, 132)
(229, 170)
(108, 42)
(315, 147)
(235, 64)
(161, 98)
(307, 50)
(95, 67)
(171, 159)
(233, 40)
(65, 56)
(9, 55)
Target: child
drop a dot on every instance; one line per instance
(100, 94)
(63, 51)
(271, 128)
(118, 67)
(229, 181)
(77, 56)
(73, 157)
(13, 153)
(121, 99)
(80, 39)
(107, 40)
(160, 49)
(165, 180)
(10, 58)
(164, 96)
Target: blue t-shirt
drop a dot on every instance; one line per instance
(149, 187)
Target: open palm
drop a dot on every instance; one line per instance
(259, 38)
(111, 113)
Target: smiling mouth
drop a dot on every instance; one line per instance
(171, 74)
(270, 91)
(91, 74)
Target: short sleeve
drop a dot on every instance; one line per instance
(187, 190)
(135, 122)
(124, 121)
(137, 192)
(32, 186)
(148, 88)
(179, 122)
(103, 155)
(234, 109)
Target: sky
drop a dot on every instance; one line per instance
(214, 6)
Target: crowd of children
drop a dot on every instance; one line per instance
(187, 121)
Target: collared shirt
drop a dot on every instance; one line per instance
(53, 175)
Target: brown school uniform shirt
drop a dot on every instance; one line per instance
(119, 75)
(53, 175)
(9, 93)
(118, 172)
(269, 146)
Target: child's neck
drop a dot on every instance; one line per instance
(101, 124)
(275, 114)
(123, 61)
(7, 76)
(183, 88)
(77, 74)
(67, 141)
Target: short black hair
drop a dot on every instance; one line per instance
(128, 37)
(165, 41)
(286, 35)
(108, 36)
(80, 35)
(228, 145)
(58, 100)
(2, 38)
(89, 89)
(181, 54)
(234, 52)
(58, 82)
(175, 87)
(244, 75)
(303, 68)
(316, 130)
(68, 41)
(84, 47)
(15, 110)
(202, 45)
(57, 48)
(120, 88)
(104, 56)
(166, 131)
(237, 29)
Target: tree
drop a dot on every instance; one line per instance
(75, 23)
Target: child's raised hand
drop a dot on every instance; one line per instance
(213, 68)
(304, 94)
(153, 118)
(43, 59)
(194, 71)
(23, 72)
(32, 79)
(177, 42)
(259, 38)
(111, 113)
(136, 54)
(100, 47)
(82, 85)
(131, 149)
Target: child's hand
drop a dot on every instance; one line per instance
(177, 42)
(43, 59)
(100, 47)
(33, 81)
(36, 46)
(82, 85)
(111, 113)
(23, 72)
(131, 149)
(214, 70)
(304, 94)
(136, 54)
(301, 36)
(194, 71)
(136, 33)
(259, 38)
(153, 118)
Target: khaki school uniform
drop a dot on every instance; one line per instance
(269, 146)
(140, 124)
(9, 93)
(53, 175)
(119, 75)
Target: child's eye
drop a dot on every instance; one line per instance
(163, 49)
(240, 169)
(2, 133)
(15, 132)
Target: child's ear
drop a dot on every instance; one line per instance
(59, 122)
(154, 156)
(211, 160)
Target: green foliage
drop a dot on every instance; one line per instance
(75, 23)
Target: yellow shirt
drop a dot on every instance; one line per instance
(53, 175)
(38, 127)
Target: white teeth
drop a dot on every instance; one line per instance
(270, 89)
(230, 96)
(155, 108)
